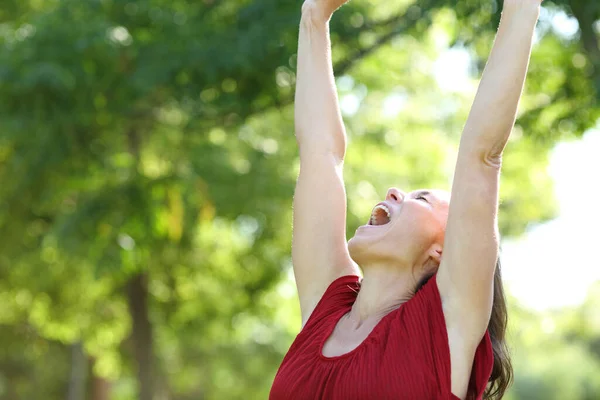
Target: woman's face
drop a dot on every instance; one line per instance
(402, 229)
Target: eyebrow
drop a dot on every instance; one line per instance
(422, 193)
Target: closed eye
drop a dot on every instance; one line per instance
(421, 198)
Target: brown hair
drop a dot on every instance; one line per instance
(502, 371)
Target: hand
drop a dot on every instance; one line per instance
(323, 8)
(522, 4)
(520, 12)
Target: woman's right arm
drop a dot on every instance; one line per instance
(319, 248)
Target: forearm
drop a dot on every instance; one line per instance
(318, 120)
(494, 110)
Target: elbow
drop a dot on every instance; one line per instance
(486, 140)
(483, 156)
(310, 146)
(484, 151)
(492, 159)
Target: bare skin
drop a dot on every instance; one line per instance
(425, 233)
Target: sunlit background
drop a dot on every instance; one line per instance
(554, 254)
(148, 163)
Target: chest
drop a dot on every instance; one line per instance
(344, 340)
(375, 368)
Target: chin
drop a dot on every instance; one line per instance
(354, 248)
(362, 251)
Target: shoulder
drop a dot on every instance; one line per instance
(424, 322)
(426, 303)
(340, 294)
(429, 309)
(420, 322)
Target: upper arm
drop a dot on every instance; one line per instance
(319, 248)
(466, 273)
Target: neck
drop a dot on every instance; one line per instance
(382, 291)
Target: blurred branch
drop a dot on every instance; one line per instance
(405, 20)
(341, 67)
(382, 23)
(210, 5)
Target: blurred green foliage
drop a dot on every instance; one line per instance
(148, 161)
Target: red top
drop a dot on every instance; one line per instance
(406, 356)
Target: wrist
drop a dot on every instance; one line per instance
(315, 13)
(521, 9)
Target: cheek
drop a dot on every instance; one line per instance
(418, 219)
(422, 225)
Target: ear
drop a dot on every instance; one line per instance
(435, 252)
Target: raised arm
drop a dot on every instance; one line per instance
(466, 273)
(319, 248)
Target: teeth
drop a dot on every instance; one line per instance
(384, 208)
(373, 220)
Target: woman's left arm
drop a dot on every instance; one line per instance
(466, 274)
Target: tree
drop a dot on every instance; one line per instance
(147, 163)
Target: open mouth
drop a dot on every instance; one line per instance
(380, 215)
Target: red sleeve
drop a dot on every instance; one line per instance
(339, 293)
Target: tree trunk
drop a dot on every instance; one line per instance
(100, 387)
(78, 376)
(137, 296)
(162, 387)
(587, 13)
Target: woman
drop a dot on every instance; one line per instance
(427, 320)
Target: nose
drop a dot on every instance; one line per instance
(395, 195)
